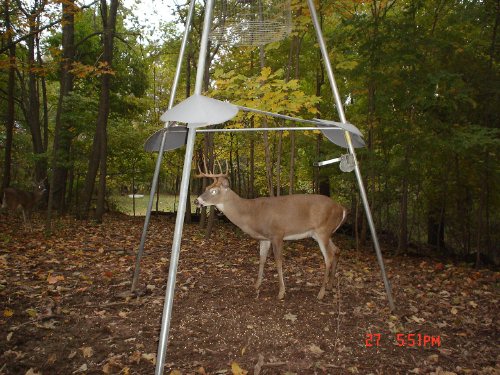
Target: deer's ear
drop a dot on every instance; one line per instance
(224, 182)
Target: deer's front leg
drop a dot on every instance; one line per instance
(278, 257)
(264, 250)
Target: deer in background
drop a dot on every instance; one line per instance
(14, 199)
(272, 220)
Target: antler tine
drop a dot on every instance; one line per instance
(205, 163)
(211, 175)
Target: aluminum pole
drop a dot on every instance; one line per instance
(359, 178)
(184, 191)
(156, 174)
(282, 128)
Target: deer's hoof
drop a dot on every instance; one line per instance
(321, 294)
(281, 294)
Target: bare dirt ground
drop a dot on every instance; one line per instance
(66, 307)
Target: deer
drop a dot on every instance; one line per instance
(14, 199)
(272, 220)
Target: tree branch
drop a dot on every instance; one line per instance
(48, 26)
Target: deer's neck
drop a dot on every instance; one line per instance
(237, 209)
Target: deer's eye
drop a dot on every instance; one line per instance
(213, 191)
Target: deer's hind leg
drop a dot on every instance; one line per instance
(328, 255)
(336, 254)
(278, 258)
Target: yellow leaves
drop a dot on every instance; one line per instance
(268, 91)
(7, 313)
(135, 357)
(151, 357)
(114, 365)
(347, 65)
(265, 73)
(237, 370)
(31, 312)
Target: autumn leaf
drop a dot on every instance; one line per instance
(87, 351)
(433, 358)
(82, 368)
(237, 370)
(439, 267)
(291, 317)
(7, 313)
(52, 359)
(54, 279)
(112, 365)
(151, 357)
(135, 357)
(315, 349)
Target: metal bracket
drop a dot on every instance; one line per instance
(347, 162)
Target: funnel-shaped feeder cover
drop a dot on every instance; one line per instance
(199, 111)
(337, 135)
(175, 138)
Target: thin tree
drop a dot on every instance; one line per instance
(98, 156)
(9, 123)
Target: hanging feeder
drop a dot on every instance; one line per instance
(251, 22)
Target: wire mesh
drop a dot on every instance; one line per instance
(251, 22)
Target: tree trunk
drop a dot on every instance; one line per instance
(61, 148)
(10, 118)
(33, 118)
(269, 164)
(278, 163)
(238, 169)
(45, 105)
(291, 188)
(251, 179)
(209, 152)
(403, 218)
(99, 147)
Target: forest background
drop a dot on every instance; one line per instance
(83, 86)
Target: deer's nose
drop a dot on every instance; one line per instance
(197, 203)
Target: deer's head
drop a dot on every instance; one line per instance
(215, 193)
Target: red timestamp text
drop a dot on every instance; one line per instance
(405, 339)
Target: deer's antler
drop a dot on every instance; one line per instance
(212, 174)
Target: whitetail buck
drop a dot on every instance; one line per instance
(14, 199)
(274, 219)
